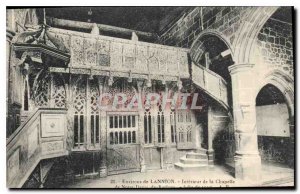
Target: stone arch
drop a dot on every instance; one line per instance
(282, 81)
(253, 22)
(275, 120)
(215, 44)
(196, 45)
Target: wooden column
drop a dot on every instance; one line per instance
(167, 154)
(103, 87)
(140, 87)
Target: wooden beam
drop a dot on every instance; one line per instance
(63, 23)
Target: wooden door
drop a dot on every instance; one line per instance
(123, 149)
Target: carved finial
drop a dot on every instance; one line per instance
(134, 37)
(95, 29)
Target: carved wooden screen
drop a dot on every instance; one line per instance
(160, 126)
(184, 129)
(148, 127)
(94, 114)
(173, 126)
(79, 105)
(122, 129)
(40, 92)
(58, 93)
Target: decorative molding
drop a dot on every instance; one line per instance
(53, 125)
(239, 68)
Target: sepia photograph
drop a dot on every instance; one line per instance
(147, 97)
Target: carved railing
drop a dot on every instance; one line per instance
(103, 55)
(211, 83)
(42, 136)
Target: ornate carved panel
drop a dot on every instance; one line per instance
(53, 125)
(79, 97)
(163, 57)
(129, 55)
(59, 93)
(90, 52)
(52, 147)
(79, 107)
(77, 53)
(172, 62)
(141, 58)
(103, 52)
(153, 60)
(116, 54)
(183, 62)
(94, 95)
(40, 90)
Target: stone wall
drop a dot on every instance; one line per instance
(275, 45)
(222, 19)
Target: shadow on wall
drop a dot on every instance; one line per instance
(276, 150)
(224, 145)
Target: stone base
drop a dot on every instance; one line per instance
(143, 168)
(211, 158)
(103, 172)
(248, 168)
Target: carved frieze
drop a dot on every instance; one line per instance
(120, 55)
(52, 147)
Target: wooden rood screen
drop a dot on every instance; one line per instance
(123, 142)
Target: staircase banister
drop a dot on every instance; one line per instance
(218, 92)
(211, 72)
(32, 117)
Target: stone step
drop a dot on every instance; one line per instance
(200, 151)
(189, 167)
(196, 155)
(185, 160)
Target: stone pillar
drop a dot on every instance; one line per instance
(210, 150)
(247, 158)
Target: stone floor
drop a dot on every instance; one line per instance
(219, 176)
